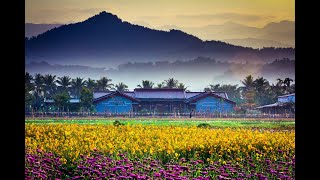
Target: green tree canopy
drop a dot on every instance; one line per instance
(86, 98)
(146, 84)
(61, 100)
(121, 87)
(171, 83)
(104, 84)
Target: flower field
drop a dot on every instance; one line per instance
(81, 151)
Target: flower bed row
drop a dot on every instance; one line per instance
(98, 166)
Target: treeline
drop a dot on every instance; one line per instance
(255, 91)
(60, 90)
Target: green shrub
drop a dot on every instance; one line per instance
(204, 125)
(117, 123)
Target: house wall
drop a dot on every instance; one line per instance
(213, 104)
(116, 104)
(287, 99)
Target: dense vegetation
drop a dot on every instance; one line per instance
(253, 92)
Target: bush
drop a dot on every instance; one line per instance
(204, 125)
(117, 123)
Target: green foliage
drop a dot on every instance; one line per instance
(86, 98)
(61, 99)
(104, 84)
(217, 123)
(76, 86)
(171, 83)
(204, 125)
(121, 87)
(146, 84)
(28, 99)
(117, 123)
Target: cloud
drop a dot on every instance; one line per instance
(226, 16)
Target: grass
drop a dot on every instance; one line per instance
(213, 123)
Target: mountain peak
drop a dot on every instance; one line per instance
(105, 17)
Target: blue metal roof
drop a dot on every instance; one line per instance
(160, 93)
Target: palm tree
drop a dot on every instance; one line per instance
(28, 82)
(248, 91)
(182, 86)
(260, 84)
(160, 85)
(287, 81)
(103, 84)
(49, 85)
(91, 84)
(64, 82)
(39, 88)
(207, 89)
(76, 86)
(28, 78)
(146, 84)
(171, 83)
(280, 82)
(264, 95)
(212, 88)
(38, 82)
(121, 87)
(248, 82)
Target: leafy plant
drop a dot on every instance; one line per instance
(204, 125)
(117, 123)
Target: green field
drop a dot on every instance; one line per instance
(214, 123)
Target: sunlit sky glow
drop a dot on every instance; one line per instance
(156, 13)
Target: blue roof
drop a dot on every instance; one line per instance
(160, 93)
(154, 94)
(72, 100)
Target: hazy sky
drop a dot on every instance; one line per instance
(155, 13)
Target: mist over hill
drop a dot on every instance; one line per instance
(196, 73)
(104, 40)
(32, 29)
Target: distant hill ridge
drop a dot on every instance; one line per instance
(105, 39)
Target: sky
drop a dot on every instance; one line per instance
(157, 13)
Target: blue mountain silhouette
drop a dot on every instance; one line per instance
(105, 38)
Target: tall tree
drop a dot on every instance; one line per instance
(38, 82)
(28, 81)
(182, 86)
(279, 82)
(76, 85)
(160, 85)
(248, 92)
(49, 85)
(28, 78)
(287, 84)
(64, 82)
(146, 84)
(233, 91)
(91, 84)
(28, 99)
(264, 95)
(260, 84)
(248, 82)
(104, 84)
(61, 100)
(121, 87)
(287, 81)
(86, 98)
(38, 90)
(171, 83)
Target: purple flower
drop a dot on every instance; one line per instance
(204, 173)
